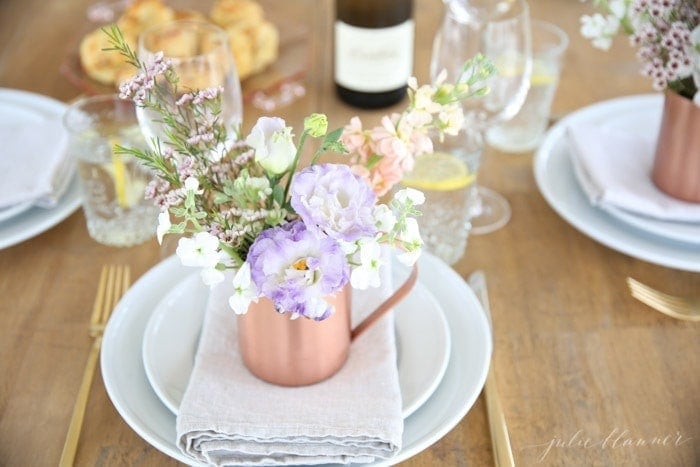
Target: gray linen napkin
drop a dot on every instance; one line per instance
(613, 168)
(229, 417)
(34, 162)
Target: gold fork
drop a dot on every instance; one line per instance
(685, 308)
(114, 281)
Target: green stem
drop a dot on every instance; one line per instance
(293, 168)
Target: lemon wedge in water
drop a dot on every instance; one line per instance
(438, 171)
(119, 175)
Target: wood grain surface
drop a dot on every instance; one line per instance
(587, 375)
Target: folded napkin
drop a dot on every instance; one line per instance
(228, 416)
(614, 169)
(34, 163)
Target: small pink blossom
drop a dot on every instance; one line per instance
(356, 140)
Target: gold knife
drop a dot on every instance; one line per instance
(500, 441)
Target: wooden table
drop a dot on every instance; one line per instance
(582, 366)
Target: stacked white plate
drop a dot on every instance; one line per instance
(667, 243)
(444, 349)
(22, 221)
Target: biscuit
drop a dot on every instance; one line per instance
(227, 13)
(101, 65)
(190, 15)
(266, 40)
(242, 48)
(142, 14)
(254, 42)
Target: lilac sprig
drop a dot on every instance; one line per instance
(666, 34)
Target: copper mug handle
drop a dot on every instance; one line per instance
(387, 305)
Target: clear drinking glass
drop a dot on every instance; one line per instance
(113, 185)
(500, 30)
(201, 58)
(446, 177)
(525, 130)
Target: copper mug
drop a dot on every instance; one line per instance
(300, 352)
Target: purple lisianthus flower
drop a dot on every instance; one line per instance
(333, 201)
(296, 270)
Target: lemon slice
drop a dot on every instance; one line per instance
(119, 175)
(542, 74)
(511, 65)
(438, 171)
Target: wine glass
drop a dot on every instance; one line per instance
(499, 30)
(201, 58)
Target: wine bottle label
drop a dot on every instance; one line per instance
(373, 60)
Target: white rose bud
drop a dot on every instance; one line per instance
(272, 141)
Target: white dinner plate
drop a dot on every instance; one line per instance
(172, 335)
(38, 220)
(131, 393)
(686, 232)
(22, 221)
(554, 173)
(8, 212)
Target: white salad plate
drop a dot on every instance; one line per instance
(23, 221)
(131, 393)
(665, 243)
(172, 335)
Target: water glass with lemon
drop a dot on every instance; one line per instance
(113, 184)
(525, 130)
(446, 177)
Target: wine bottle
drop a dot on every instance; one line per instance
(373, 51)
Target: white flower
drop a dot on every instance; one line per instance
(423, 99)
(441, 77)
(367, 273)
(244, 291)
(164, 225)
(452, 118)
(192, 184)
(272, 141)
(412, 242)
(599, 29)
(618, 8)
(202, 250)
(416, 197)
(384, 217)
(212, 276)
(414, 119)
(409, 258)
(348, 248)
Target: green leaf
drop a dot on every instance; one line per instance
(178, 228)
(178, 212)
(333, 136)
(278, 194)
(221, 198)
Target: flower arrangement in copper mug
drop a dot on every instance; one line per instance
(293, 236)
(666, 35)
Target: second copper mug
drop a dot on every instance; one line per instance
(300, 352)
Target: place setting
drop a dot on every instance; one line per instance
(622, 171)
(438, 383)
(299, 321)
(41, 188)
(567, 186)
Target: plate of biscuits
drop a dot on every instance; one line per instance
(271, 50)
